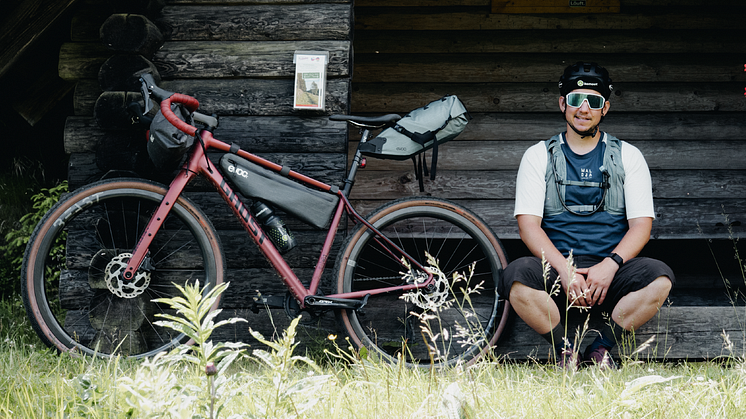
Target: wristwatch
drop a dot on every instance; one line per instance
(616, 258)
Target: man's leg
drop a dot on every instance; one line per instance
(636, 308)
(535, 307)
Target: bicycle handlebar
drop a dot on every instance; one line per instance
(191, 103)
(166, 98)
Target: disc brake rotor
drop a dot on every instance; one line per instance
(117, 285)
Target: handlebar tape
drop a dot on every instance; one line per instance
(191, 103)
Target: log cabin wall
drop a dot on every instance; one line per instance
(236, 58)
(678, 73)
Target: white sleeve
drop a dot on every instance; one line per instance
(638, 189)
(530, 184)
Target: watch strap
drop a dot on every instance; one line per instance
(616, 258)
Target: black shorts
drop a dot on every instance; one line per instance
(634, 275)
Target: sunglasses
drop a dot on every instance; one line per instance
(576, 100)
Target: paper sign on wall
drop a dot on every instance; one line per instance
(310, 79)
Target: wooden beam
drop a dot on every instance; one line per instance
(567, 41)
(24, 25)
(258, 22)
(555, 6)
(543, 97)
(429, 19)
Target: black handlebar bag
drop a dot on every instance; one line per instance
(166, 143)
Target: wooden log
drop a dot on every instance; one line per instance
(512, 97)
(111, 111)
(131, 33)
(627, 126)
(506, 155)
(257, 22)
(550, 41)
(678, 333)
(544, 67)
(122, 72)
(431, 19)
(23, 27)
(676, 218)
(81, 60)
(235, 97)
(220, 59)
(225, 59)
(83, 169)
(500, 184)
(257, 134)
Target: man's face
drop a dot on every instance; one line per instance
(583, 118)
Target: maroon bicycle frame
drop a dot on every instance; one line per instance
(199, 163)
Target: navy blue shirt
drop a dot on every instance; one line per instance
(597, 234)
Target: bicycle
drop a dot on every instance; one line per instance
(126, 241)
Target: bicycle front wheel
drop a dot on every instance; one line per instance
(71, 279)
(455, 321)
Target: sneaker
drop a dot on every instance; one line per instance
(600, 357)
(569, 360)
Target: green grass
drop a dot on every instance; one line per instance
(37, 383)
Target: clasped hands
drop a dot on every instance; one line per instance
(590, 285)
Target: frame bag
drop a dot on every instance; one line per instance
(418, 131)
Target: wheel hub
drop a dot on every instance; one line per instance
(115, 279)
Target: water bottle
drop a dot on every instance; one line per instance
(274, 227)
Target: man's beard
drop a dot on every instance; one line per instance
(588, 133)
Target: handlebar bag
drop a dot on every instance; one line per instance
(166, 143)
(311, 206)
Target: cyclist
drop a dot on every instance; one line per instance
(584, 193)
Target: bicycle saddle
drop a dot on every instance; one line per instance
(368, 121)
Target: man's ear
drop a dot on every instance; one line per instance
(562, 104)
(607, 105)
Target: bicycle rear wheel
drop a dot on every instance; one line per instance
(458, 320)
(71, 275)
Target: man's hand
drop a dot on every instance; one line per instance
(598, 279)
(576, 289)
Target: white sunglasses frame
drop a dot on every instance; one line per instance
(585, 99)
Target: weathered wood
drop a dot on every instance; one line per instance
(189, 2)
(627, 126)
(256, 134)
(257, 22)
(506, 155)
(438, 20)
(526, 68)
(122, 72)
(111, 111)
(500, 184)
(543, 97)
(83, 168)
(41, 95)
(25, 24)
(235, 96)
(550, 41)
(679, 333)
(210, 58)
(216, 59)
(81, 60)
(676, 218)
(131, 33)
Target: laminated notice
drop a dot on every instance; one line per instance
(310, 79)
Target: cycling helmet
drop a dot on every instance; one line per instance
(585, 76)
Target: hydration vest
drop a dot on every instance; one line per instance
(612, 168)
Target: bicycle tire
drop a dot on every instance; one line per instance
(395, 329)
(71, 301)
